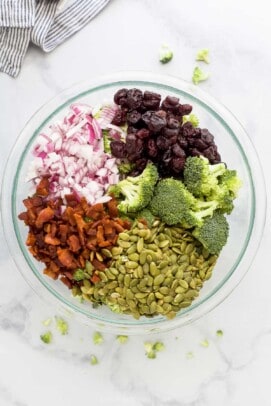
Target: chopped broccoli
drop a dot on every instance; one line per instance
(79, 275)
(137, 191)
(213, 233)
(62, 325)
(199, 75)
(200, 177)
(93, 360)
(146, 215)
(173, 203)
(192, 118)
(226, 190)
(165, 54)
(126, 167)
(122, 339)
(203, 55)
(213, 183)
(97, 338)
(46, 337)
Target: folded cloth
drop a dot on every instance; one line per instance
(46, 23)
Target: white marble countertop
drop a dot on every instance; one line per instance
(235, 369)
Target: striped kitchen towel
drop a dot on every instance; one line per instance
(46, 23)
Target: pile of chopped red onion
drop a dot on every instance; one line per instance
(72, 155)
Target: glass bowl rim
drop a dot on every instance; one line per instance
(221, 113)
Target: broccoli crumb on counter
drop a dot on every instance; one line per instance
(151, 349)
(165, 54)
(61, 325)
(93, 360)
(46, 337)
(203, 55)
(122, 339)
(97, 338)
(199, 75)
(219, 333)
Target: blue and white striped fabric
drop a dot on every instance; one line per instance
(46, 23)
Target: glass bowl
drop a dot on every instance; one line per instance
(246, 221)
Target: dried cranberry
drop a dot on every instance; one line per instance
(151, 100)
(141, 164)
(187, 129)
(152, 148)
(156, 122)
(131, 142)
(210, 153)
(170, 132)
(170, 103)
(131, 129)
(166, 158)
(119, 117)
(173, 123)
(182, 142)
(177, 164)
(162, 142)
(172, 140)
(118, 149)
(185, 109)
(207, 136)
(120, 97)
(133, 117)
(146, 117)
(195, 152)
(134, 99)
(178, 151)
(143, 133)
(199, 144)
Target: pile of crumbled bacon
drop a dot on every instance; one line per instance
(63, 237)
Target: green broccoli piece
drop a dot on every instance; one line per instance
(46, 337)
(203, 55)
(61, 325)
(200, 177)
(226, 190)
(213, 233)
(135, 192)
(174, 204)
(146, 215)
(126, 168)
(165, 54)
(199, 75)
(192, 118)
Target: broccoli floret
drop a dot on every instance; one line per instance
(213, 233)
(146, 215)
(203, 55)
(173, 203)
(192, 118)
(165, 54)
(136, 191)
(231, 181)
(126, 167)
(199, 75)
(226, 190)
(200, 177)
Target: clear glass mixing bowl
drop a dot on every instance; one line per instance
(246, 221)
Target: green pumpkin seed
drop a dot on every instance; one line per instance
(158, 280)
(134, 257)
(124, 236)
(140, 245)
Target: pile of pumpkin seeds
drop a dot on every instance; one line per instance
(153, 271)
